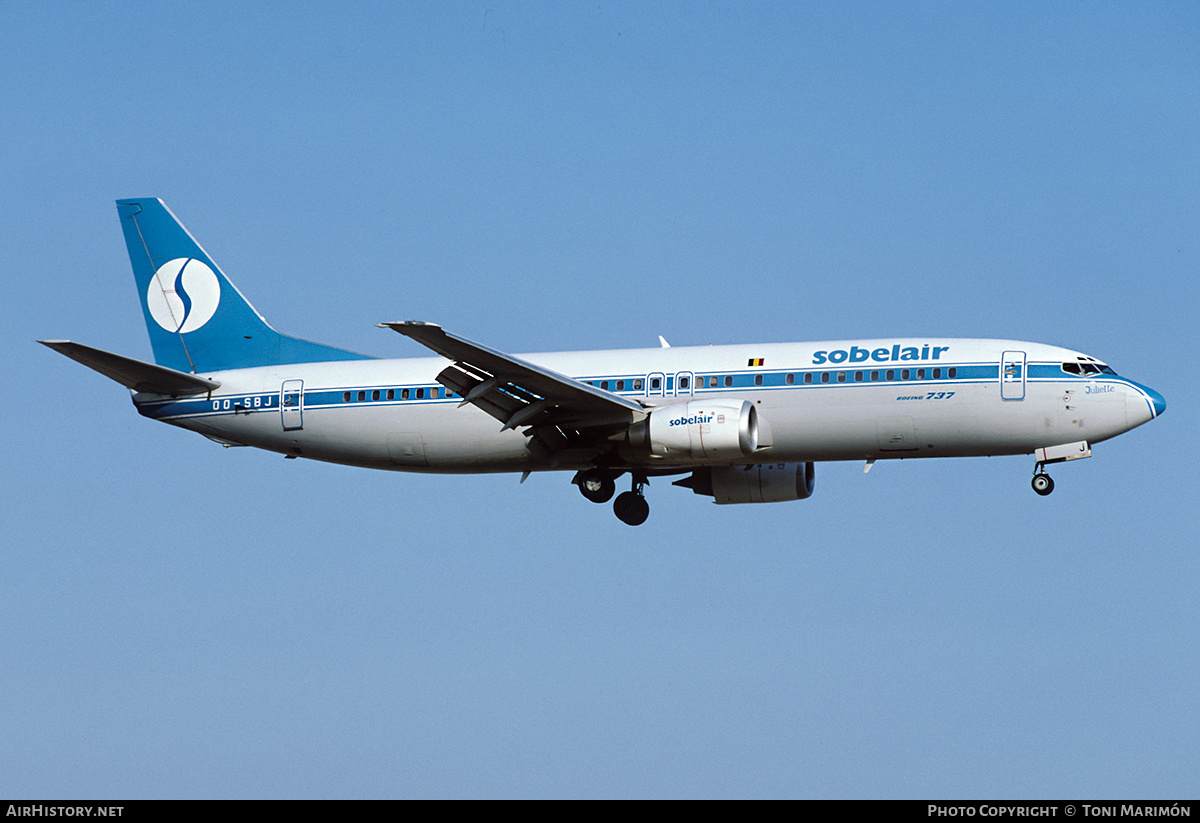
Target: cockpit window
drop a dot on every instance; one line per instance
(1083, 369)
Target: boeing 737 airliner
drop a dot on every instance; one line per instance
(743, 424)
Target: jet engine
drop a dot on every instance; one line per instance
(700, 430)
(764, 483)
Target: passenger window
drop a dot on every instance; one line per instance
(875, 376)
(433, 393)
(920, 374)
(683, 382)
(404, 394)
(604, 385)
(655, 384)
(637, 385)
(808, 377)
(712, 382)
(890, 374)
(841, 377)
(375, 395)
(758, 379)
(937, 374)
(904, 374)
(952, 372)
(620, 385)
(858, 376)
(346, 397)
(824, 377)
(790, 379)
(728, 380)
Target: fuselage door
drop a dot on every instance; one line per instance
(291, 404)
(683, 384)
(1012, 375)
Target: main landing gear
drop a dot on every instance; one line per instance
(631, 507)
(599, 485)
(596, 485)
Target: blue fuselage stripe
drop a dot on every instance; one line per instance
(740, 381)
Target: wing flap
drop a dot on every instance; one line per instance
(134, 374)
(559, 414)
(530, 377)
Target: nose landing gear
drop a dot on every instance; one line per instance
(1042, 482)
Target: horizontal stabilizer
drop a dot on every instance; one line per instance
(134, 374)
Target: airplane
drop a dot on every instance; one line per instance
(740, 423)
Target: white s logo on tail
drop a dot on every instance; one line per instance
(176, 280)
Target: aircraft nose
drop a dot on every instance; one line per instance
(1156, 399)
(1142, 404)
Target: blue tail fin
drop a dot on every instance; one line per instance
(198, 321)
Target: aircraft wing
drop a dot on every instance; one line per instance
(563, 414)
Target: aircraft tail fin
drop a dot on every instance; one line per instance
(197, 319)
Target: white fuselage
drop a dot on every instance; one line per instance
(841, 400)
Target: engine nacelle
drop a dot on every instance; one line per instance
(703, 430)
(766, 483)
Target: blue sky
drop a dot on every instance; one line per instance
(180, 620)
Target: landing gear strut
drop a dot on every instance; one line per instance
(631, 507)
